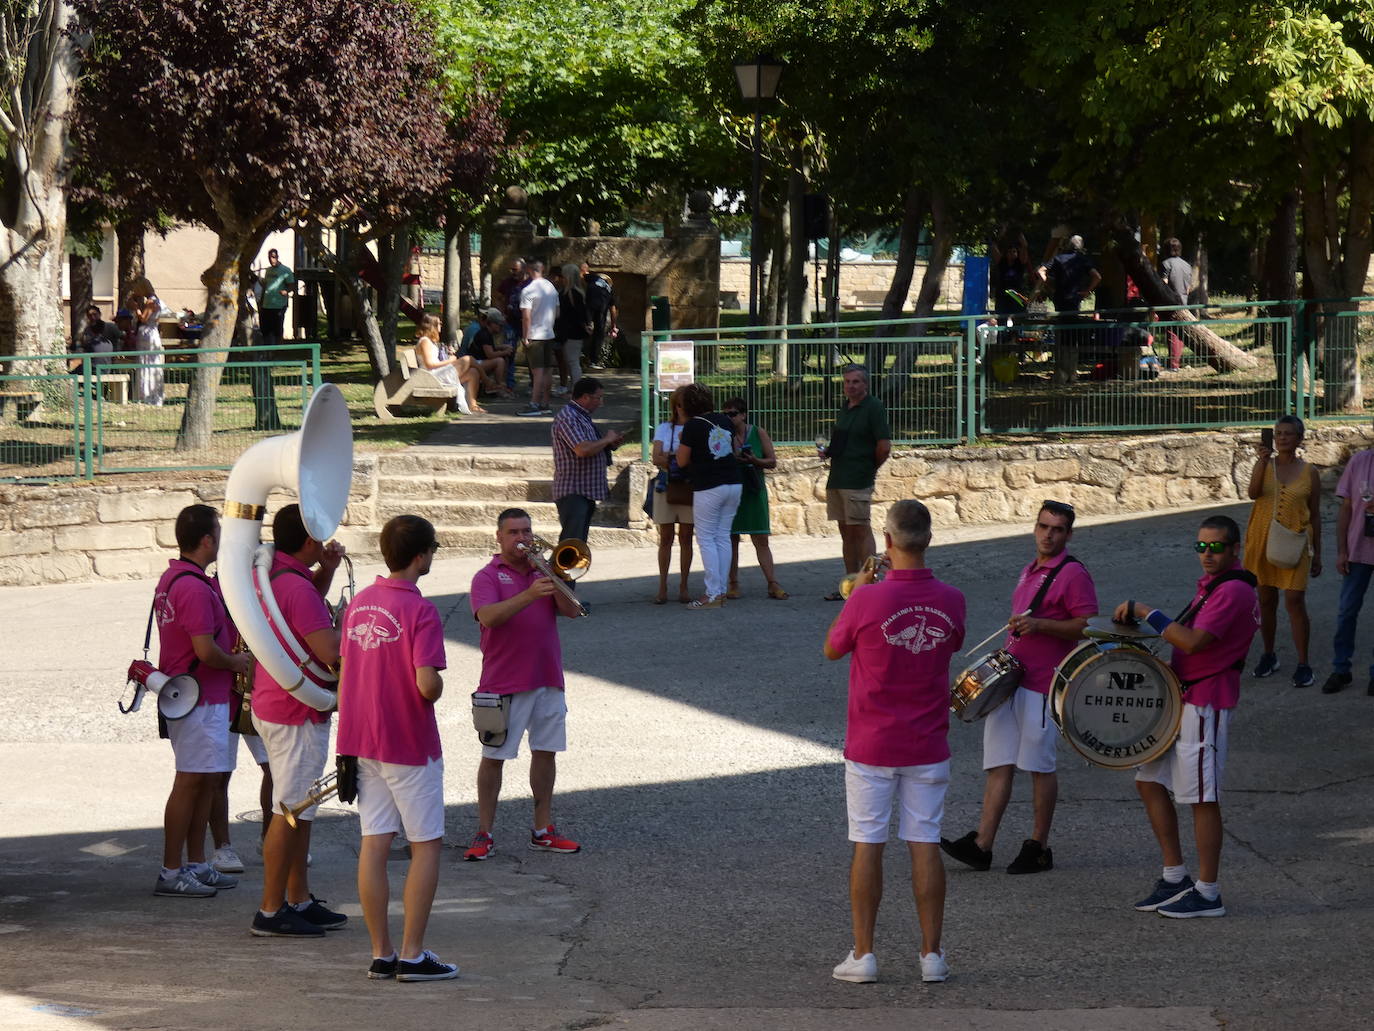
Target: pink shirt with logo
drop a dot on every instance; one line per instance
(1359, 470)
(902, 633)
(305, 612)
(187, 607)
(1071, 596)
(524, 653)
(1231, 615)
(389, 631)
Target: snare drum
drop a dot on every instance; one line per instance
(1116, 704)
(985, 685)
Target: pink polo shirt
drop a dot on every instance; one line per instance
(1071, 596)
(902, 633)
(1359, 470)
(187, 607)
(305, 612)
(524, 653)
(1231, 615)
(389, 632)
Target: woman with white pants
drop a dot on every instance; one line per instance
(707, 454)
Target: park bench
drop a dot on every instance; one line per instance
(869, 298)
(24, 401)
(115, 385)
(409, 386)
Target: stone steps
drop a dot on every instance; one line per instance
(464, 514)
(483, 542)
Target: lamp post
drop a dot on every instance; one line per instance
(758, 81)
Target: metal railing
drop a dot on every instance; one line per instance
(947, 379)
(122, 412)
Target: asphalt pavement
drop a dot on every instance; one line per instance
(704, 780)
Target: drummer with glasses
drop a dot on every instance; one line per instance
(1050, 606)
(1210, 641)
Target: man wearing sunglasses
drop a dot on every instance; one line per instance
(1210, 641)
(1050, 607)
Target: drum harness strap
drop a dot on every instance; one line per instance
(1190, 613)
(1030, 611)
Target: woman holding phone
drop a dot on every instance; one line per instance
(1285, 489)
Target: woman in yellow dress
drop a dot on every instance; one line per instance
(1283, 482)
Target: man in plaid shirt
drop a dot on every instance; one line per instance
(581, 454)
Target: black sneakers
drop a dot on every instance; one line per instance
(427, 968)
(382, 969)
(325, 919)
(1336, 682)
(966, 850)
(284, 923)
(1033, 858)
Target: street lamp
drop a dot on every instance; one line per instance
(758, 81)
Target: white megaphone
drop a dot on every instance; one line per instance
(317, 463)
(177, 696)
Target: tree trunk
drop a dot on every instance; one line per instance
(832, 268)
(775, 289)
(913, 215)
(454, 304)
(941, 244)
(33, 171)
(248, 339)
(82, 295)
(467, 290)
(380, 355)
(1221, 355)
(129, 237)
(1199, 295)
(798, 292)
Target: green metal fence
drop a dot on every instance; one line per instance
(951, 378)
(125, 415)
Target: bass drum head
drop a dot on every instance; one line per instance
(1116, 704)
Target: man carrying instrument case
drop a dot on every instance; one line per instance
(1210, 641)
(296, 736)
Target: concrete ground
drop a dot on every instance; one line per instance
(704, 779)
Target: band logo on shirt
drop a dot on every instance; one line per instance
(166, 611)
(375, 626)
(504, 577)
(919, 630)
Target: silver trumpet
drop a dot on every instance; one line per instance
(569, 559)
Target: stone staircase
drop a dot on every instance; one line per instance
(462, 494)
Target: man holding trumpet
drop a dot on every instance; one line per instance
(296, 736)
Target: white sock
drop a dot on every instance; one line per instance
(301, 907)
(1174, 874)
(1208, 890)
(415, 960)
(169, 874)
(266, 914)
(199, 867)
(387, 959)
(541, 832)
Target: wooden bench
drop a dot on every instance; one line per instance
(25, 402)
(869, 298)
(409, 386)
(115, 386)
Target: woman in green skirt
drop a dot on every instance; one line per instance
(755, 449)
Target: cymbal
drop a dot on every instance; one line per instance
(1103, 628)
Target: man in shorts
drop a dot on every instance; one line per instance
(859, 445)
(196, 637)
(1050, 607)
(902, 633)
(392, 651)
(1210, 641)
(295, 735)
(538, 310)
(518, 607)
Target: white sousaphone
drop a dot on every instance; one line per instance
(317, 463)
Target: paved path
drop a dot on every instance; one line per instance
(704, 781)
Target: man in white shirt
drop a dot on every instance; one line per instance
(538, 309)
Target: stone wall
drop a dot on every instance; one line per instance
(75, 533)
(863, 284)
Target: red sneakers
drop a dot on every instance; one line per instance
(549, 841)
(482, 847)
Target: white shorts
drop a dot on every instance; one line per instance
(1020, 733)
(200, 740)
(392, 797)
(297, 754)
(919, 790)
(1192, 769)
(256, 748)
(544, 713)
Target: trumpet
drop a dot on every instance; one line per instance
(324, 788)
(345, 595)
(874, 564)
(569, 559)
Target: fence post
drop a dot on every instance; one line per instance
(645, 398)
(969, 369)
(84, 422)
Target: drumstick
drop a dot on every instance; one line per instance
(1000, 630)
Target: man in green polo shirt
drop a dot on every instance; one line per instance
(278, 284)
(859, 444)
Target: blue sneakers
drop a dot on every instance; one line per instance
(1268, 665)
(1192, 904)
(1164, 893)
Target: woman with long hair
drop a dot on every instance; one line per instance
(707, 452)
(570, 328)
(457, 371)
(1287, 490)
(755, 449)
(671, 518)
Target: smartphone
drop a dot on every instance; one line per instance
(1267, 437)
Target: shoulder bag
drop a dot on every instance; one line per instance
(679, 489)
(1284, 547)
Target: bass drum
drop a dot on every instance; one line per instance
(1116, 704)
(985, 685)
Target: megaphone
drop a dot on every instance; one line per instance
(177, 696)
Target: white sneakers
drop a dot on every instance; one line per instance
(857, 969)
(226, 860)
(864, 969)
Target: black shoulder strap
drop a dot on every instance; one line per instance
(1190, 613)
(1045, 583)
(152, 610)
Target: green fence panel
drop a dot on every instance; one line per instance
(44, 417)
(1338, 365)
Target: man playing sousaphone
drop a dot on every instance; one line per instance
(296, 735)
(1050, 607)
(1210, 641)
